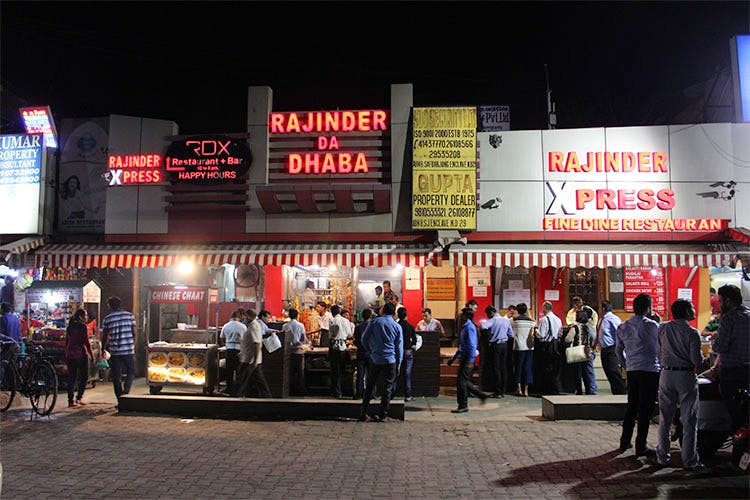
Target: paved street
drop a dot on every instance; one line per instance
(502, 449)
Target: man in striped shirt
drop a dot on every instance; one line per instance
(118, 337)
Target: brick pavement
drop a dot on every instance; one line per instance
(500, 450)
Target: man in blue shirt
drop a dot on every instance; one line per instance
(10, 334)
(606, 339)
(466, 353)
(118, 337)
(499, 332)
(637, 339)
(383, 339)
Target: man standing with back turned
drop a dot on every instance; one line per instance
(118, 337)
(637, 339)
(383, 339)
(606, 339)
(680, 349)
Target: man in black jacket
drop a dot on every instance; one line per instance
(410, 341)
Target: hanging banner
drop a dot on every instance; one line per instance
(444, 178)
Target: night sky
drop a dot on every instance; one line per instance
(610, 63)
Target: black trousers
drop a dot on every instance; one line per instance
(611, 366)
(233, 364)
(642, 389)
(464, 385)
(297, 367)
(78, 374)
(338, 362)
(389, 375)
(497, 354)
(547, 368)
(251, 382)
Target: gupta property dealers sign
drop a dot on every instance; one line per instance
(665, 179)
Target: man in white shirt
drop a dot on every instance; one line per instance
(307, 298)
(324, 319)
(337, 354)
(298, 343)
(429, 324)
(251, 378)
(546, 350)
(231, 335)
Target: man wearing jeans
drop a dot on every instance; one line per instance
(637, 339)
(466, 354)
(383, 339)
(410, 341)
(118, 337)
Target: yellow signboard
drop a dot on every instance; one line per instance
(444, 168)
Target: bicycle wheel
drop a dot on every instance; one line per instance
(7, 388)
(43, 388)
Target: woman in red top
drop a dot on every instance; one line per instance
(77, 352)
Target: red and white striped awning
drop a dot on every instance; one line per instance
(583, 255)
(127, 256)
(22, 245)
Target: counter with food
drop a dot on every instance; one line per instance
(182, 364)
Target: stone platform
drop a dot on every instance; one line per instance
(600, 407)
(251, 408)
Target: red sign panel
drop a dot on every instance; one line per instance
(178, 295)
(648, 280)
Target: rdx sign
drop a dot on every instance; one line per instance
(209, 147)
(207, 159)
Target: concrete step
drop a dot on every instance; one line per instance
(570, 407)
(252, 408)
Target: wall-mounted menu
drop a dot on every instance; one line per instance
(648, 280)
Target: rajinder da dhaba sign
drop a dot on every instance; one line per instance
(335, 149)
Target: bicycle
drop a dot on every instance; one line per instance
(32, 375)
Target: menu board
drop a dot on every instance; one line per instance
(648, 280)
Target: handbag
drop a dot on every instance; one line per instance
(272, 342)
(530, 338)
(576, 354)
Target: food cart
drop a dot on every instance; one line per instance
(185, 356)
(44, 296)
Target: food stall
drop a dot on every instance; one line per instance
(44, 297)
(187, 355)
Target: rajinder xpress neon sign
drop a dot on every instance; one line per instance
(327, 158)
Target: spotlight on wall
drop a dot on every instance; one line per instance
(185, 267)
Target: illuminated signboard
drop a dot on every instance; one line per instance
(444, 182)
(207, 159)
(199, 159)
(134, 169)
(21, 163)
(38, 120)
(740, 50)
(334, 150)
(571, 198)
(660, 179)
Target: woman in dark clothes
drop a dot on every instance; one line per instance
(77, 352)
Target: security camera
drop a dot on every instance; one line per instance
(709, 194)
(462, 241)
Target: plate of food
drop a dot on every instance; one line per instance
(176, 358)
(196, 359)
(196, 376)
(157, 359)
(157, 374)
(176, 374)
